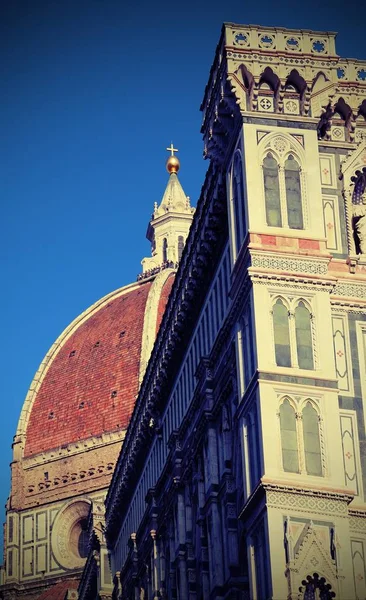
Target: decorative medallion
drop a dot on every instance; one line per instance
(291, 107)
(361, 74)
(341, 73)
(266, 104)
(360, 135)
(241, 38)
(266, 41)
(318, 46)
(337, 133)
(280, 145)
(293, 43)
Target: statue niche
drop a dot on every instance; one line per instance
(359, 210)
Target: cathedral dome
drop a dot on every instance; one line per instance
(87, 384)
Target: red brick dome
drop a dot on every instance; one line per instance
(88, 382)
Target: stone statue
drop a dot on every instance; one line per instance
(359, 211)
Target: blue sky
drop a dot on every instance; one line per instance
(92, 94)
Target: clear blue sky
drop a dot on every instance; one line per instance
(92, 93)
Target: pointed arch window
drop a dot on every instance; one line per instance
(300, 438)
(180, 246)
(293, 335)
(281, 334)
(293, 194)
(238, 201)
(165, 250)
(310, 426)
(304, 343)
(315, 587)
(272, 191)
(290, 454)
(283, 183)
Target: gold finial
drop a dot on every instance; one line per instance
(172, 164)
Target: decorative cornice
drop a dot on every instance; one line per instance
(73, 449)
(300, 282)
(305, 499)
(291, 264)
(350, 290)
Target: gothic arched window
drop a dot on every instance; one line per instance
(165, 250)
(238, 201)
(304, 342)
(310, 425)
(300, 438)
(293, 335)
(293, 194)
(281, 334)
(180, 246)
(272, 191)
(289, 443)
(316, 588)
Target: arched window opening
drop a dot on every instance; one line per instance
(290, 456)
(180, 246)
(79, 538)
(281, 334)
(248, 82)
(304, 343)
(291, 99)
(238, 201)
(267, 91)
(83, 541)
(272, 191)
(165, 250)
(342, 115)
(362, 109)
(294, 94)
(310, 423)
(248, 346)
(293, 194)
(315, 587)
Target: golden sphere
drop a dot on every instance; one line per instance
(172, 164)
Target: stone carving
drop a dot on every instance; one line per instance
(64, 538)
(68, 478)
(311, 556)
(296, 265)
(357, 522)
(308, 502)
(350, 290)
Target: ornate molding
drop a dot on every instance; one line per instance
(357, 521)
(278, 262)
(308, 501)
(68, 478)
(294, 283)
(350, 290)
(74, 449)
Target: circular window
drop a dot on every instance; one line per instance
(79, 538)
(70, 537)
